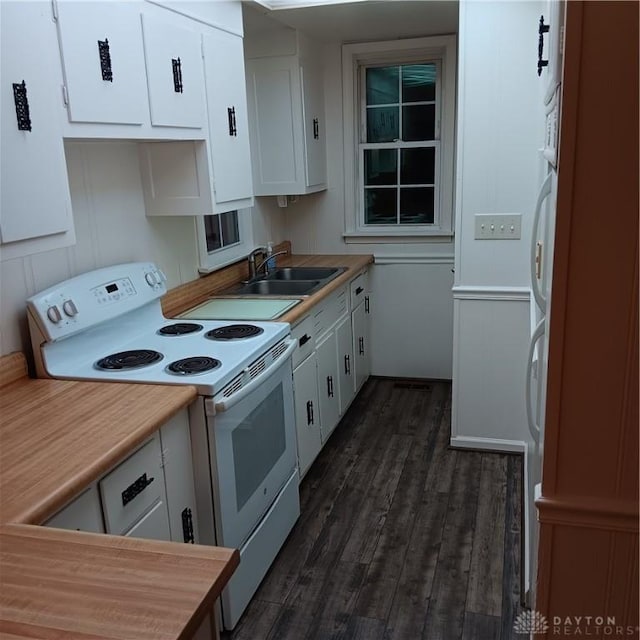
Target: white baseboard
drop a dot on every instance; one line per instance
(488, 444)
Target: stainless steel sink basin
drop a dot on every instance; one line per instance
(305, 273)
(278, 288)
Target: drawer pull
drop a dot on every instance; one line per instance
(330, 386)
(361, 345)
(305, 338)
(187, 526)
(347, 364)
(359, 290)
(135, 488)
(366, 304)
(310, 412)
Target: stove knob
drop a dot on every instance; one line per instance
(160, 275)
(53, 313)
(69, 308)
(151, 279)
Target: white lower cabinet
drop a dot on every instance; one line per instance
(305, 384)
(344, 339)
(328, 385)
(151, 494)
(361, 350)
(83, 514)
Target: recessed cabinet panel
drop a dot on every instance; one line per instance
(153, 525)
(103, 61)
(272, 87)
(228, 121)
(346, 371)
(361, 351)
(328, 385)
(307, 413)
(174, 74)
(314, 132)
(32, 152)
(83, 514)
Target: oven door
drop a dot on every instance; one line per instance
(252, 449)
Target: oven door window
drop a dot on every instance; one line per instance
(258, 442)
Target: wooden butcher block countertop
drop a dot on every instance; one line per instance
(56, 437)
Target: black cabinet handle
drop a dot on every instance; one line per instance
(361, 345)
(176, 66)
(187, 526)
(309, 412)
(231, 114)
(305, 338)
(135, 488)
(316, 129)
(105, 60)
(542, 29)
(347, 364)
(366, 304)
(330, 386)
(23, 115)
(359, 290)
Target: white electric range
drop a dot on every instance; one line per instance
(108, 325)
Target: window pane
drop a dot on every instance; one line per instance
(417, 166)
(382, 124)
(416, 205)
(230, 231)
(380, 206)
(212, 232)
(418, 82)
(380, 166)
(382, 85)
(418, 122)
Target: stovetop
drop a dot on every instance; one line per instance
(102, 340)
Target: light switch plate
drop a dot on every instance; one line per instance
(498, 226)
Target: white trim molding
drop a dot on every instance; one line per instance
(475, 292)
(488, 444)
(413, 259)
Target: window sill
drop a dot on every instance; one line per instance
(374, 237)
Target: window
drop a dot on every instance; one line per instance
(223, 238)
(399, 152)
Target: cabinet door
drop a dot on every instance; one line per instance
(345, 363)
(314, 133)
(34, 198)
(174, 74)
(361, 351)
(307, 415)
(178, 478)
(103, 61)
(154, 525)
(228, 121)
(83, 514)
(328, 385)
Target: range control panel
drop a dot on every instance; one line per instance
(91, 298)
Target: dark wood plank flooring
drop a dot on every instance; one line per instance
(400, 537)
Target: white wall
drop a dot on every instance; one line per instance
(111, 227)
(415, 277)
(500, 125)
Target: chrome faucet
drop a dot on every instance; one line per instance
(265, 262)
(251, 258)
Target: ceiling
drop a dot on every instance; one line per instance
(357, 21)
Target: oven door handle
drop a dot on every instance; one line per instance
(225, 405)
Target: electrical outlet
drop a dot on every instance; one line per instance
(498, 226)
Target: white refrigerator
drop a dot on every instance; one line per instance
(550, 47)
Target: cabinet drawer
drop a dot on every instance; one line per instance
(304, 334)
(358, 288)
(83, 514)
(154, 525)
(132, 488)
(330, 311)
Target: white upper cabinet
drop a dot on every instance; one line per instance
(228, 122)
(103, 61)
(286, 115)
(174, 74)
(35, 205)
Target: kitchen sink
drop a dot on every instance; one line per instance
(289, 281)
(278, 288)
(305, 273)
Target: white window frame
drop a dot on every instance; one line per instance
(218, 258)
(439, 49)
